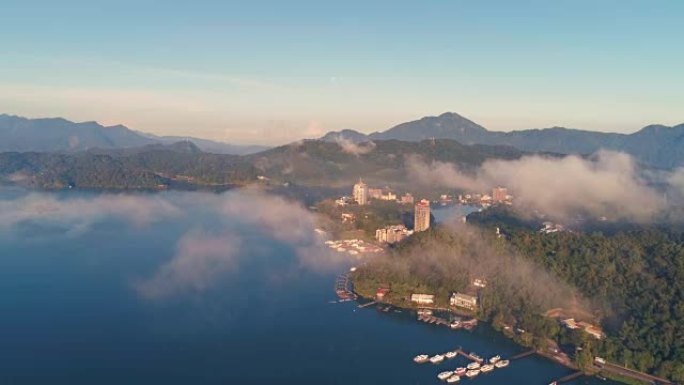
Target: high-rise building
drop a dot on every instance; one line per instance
(422, 216)
(361, 193)
(499, 194)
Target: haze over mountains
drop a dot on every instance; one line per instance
(61, 135)
(655, 145)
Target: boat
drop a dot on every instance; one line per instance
(420, 359)
(455, 325)
(495, 359)
(502, 363)
(437, 359)
(487, 368)
(444, 375)
(450, 355)
(453, 379)
(473, 366)
(472, 373)
(553, 383)
(460, 371)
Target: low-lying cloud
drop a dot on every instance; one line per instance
(200, 260)
(350, 147)
(254, 220)
(78, 214)
(608, 184)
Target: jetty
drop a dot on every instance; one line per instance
(569, 377)
(367, 304)
(523, 355)
(469, 356)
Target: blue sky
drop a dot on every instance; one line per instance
(275, 71)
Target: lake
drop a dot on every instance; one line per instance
(178, 288)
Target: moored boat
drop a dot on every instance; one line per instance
(473, 366)
(437, 359)
(472, 373)
(444, 375)
(487, 368)
(420, 359)
(450, 354)
(495, 359)
(453, 379)
(502, 363)
(460, 371)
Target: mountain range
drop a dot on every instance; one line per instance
(655, 145)
(184, 165)
(61, 135)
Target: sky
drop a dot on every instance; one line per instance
(270, 72)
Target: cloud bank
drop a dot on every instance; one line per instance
(352, 148)
(608, 184)
(202, 259)
(78, 214)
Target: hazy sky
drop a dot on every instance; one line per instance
(275, 71)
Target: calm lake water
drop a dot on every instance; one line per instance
(70, 312)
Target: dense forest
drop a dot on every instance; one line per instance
(153, 167)
(632, 281)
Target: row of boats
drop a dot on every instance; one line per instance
(473, 369)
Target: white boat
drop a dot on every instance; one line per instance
(450, 355)
(453, 379)
(502, 363)
(437, 359)
(455, 325)
(460, 371)
(420, 359)
(473, 366)
(487, 368)
(444, 375)
(472, 373)
(495, 359)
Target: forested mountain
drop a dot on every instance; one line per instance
(655, 145)
(152, 167)
(61, 135)
(312, 163)
(316, 161)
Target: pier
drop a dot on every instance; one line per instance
(367, 304)
(433, 320)
(468, 356)
(569, 377)
(523, 355)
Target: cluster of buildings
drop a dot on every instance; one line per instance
(498, 196)
(392, 234)
(593, 330)
(362, 194)
(458, 300)
(353, 246)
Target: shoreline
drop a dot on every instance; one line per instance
(548, 356)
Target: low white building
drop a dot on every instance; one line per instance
(423, 299)
(464, 301)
